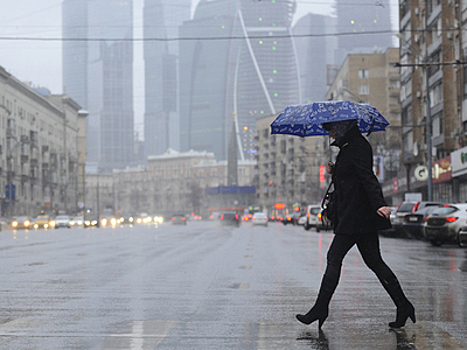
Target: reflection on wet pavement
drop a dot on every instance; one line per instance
(137, 335)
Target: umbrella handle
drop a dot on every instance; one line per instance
(371, 127)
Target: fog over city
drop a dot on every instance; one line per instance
(168, 90)
(40, 63)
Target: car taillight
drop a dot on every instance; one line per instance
(320, 216)
(308, 215)
(415, 207)
(222, 217)
(266, 219)
(236, 216)
(451, 219)
(184, 218)
(173, 219)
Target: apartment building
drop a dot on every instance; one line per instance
(289, 169)
(374, 78)
(39, 149)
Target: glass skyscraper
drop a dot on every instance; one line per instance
(249, 71)
(98, 74)
(162, 19)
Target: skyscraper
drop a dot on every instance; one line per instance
(98, 75)
(315, 51)
(162, 19)
(359, 18)
(249, 71)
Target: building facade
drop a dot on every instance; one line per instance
(432, 95)
(289, 169)
(162, 18)
(174, 182)
(374, 79)
(98, 74)
(39, 149)
(243, 81)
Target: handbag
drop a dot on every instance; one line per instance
(328, 205)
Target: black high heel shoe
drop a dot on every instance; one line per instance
(403, 313)
(313, 315)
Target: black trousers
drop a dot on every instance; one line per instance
(368, 245)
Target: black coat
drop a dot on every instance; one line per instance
(358, 192)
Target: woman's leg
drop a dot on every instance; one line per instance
(339, 248)
(368, 245)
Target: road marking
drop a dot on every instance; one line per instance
(137, 335)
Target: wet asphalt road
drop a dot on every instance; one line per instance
(207, 287)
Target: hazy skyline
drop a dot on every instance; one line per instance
(40, 62)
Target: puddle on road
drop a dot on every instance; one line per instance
(35, 264)
(242, 285)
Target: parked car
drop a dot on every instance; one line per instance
(230, 218)
(178, 219)
(22, 222)
(62, 221)
(312, 214)
(44, 221)
(414, 223)
(463, 236)
(259, 219)
(445, 223)
(407, 208)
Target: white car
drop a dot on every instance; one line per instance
(312, 213)
(62, 221)
(259, 219)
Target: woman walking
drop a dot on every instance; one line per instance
(359, 212)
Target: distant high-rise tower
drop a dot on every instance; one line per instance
(363, 16)
(242, 79)
(315, 52)
(162, 19)
(99, 76)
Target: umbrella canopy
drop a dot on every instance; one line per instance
(307, 120)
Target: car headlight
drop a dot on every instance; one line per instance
(52, 224)
(27, 223)
(104, 222)
(113, 221)
(14, 223)
(130, 219)
(87, 222)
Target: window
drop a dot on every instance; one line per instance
(363, 73)
(436, 95)
(364, 89)
(437, 126)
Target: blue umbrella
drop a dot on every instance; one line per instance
(307, 120)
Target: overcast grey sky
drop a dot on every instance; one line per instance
(40, 62)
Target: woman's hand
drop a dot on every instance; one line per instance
(330, 168)
(384, 212)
